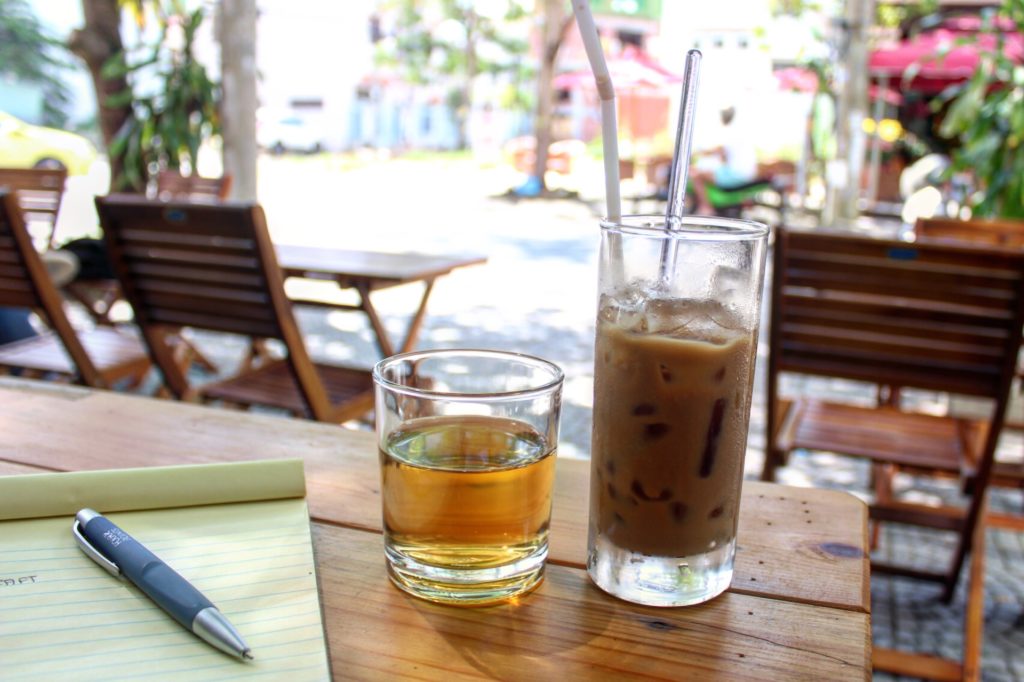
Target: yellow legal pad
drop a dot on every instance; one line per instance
(238, 532)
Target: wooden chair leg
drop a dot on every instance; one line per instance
(882, 476)
(772, 461)
(974, 618)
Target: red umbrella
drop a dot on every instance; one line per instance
(939, 58)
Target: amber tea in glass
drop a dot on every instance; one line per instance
(467, 445)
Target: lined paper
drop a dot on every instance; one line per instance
(63, 617)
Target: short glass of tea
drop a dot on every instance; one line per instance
(467, 443)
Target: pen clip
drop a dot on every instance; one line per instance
(93, 553)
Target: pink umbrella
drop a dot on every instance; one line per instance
(631, 69)
(799, 79)
(938, 57)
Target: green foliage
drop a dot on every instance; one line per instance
(449, 42)
(793, 7)
(422, 53)
(893, 16)
(29, 53)
(986, 116)
(173, 99)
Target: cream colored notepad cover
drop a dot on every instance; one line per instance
(239, 532)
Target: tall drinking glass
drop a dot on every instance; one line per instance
(467, 451)
(677, 329)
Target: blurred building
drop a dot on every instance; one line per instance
(312, 56)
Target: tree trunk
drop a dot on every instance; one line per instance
(95, 43)
(236, 32)
(556, 23)
(852, 107)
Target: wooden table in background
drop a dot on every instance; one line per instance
(369, 271)
(798, 607)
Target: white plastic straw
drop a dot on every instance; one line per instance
(609, 125)
(684, 140)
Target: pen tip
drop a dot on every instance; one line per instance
(247, 654)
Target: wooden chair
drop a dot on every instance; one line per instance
(171, 184)
(995, 232)
(938, 317)
(39, 193)
(213, 267)
(100, 358)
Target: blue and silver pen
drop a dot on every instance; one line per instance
(122, 556)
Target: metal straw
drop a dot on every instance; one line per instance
(684, 140)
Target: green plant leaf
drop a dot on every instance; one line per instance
(119, 99)
(114, 67)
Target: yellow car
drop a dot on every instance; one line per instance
(23, 145)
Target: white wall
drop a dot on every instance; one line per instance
(314, 49)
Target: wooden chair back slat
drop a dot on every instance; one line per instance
(179, 302)
(897, 269)
(230, 325)
(995, 232)
(211, 255)
(171, 293)
(173, 185)
(158, 238)
(39, 192)
(177, 273)
(176, 221)
(931, 316)
(874, 315)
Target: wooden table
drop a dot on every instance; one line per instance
(369, 271)
(798, 607)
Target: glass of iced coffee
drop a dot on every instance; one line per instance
(467, 443)
(674, 359)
